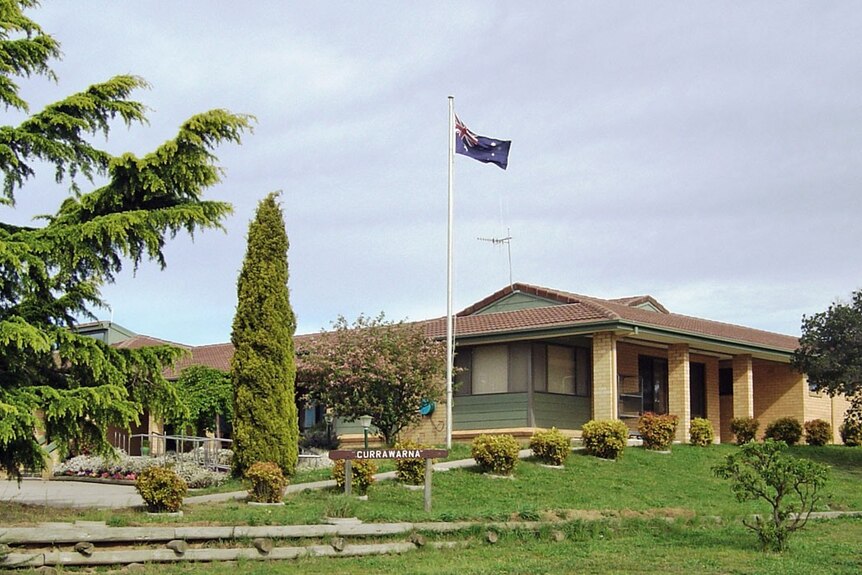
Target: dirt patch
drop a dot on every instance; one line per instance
(584, 514)
(600, 514)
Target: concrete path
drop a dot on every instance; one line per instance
(69, 493)
(103, 495)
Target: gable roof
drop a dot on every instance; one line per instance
(557, 313)
(569, 310)
(216, 356)
(139, 341)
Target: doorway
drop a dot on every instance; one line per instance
(653, 380)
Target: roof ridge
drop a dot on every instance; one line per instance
(597, 304)
(211, 345)
(140, 336)
(637, 300)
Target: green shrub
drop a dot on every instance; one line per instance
(818, 432)
(267, 482)
(410, 471)
(786, 429)
(789, 484)
(744, 428)
(851, 434)
(551, 446)
(362, 473)
(161, 489)
(657, 431)
(496, 453)
(701, 432)
(605, 438)
(851, 429)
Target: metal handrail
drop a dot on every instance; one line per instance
(204, 450)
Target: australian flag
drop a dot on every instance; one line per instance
(480, 148)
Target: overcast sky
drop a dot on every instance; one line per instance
(707, 154)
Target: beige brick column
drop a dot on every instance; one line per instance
(156, 429)
(743, 386)
(605, 375)
(713, 400)
(679, 388)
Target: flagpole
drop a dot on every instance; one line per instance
(450, 332)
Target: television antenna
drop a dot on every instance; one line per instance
(499, 241)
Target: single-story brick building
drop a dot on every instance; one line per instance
(531, 357)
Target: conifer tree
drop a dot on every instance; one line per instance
(263, 368)
(51, 273)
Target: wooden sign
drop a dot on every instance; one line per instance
(388, 454)
(427, 454)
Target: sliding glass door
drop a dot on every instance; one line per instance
(653, 376)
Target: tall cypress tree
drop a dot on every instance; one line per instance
(263, 369)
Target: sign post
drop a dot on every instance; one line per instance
(427, 454)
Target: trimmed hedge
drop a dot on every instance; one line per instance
(818, 432)
(161, 489)
(744, 428)
(362, 472)
(605, 438)
(551, 446)
(496, 453)
(701, 432)
(786, 429)
(267, 482)
(657, 431)
(410, 471)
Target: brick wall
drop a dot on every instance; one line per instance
(779, 391)
(821, 406)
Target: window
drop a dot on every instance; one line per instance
(582, 364)
(561, 369)
(490, 373)
(725, 381)
(540, 367)
(518, 366)
(697, 389)
(463, 365)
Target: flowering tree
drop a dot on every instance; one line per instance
(374, 367)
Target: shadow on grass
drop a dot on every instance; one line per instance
(848, 459)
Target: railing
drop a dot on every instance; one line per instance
(202, 451)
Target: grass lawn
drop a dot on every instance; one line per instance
(631, 494)
(458, 451)
(631, 546)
